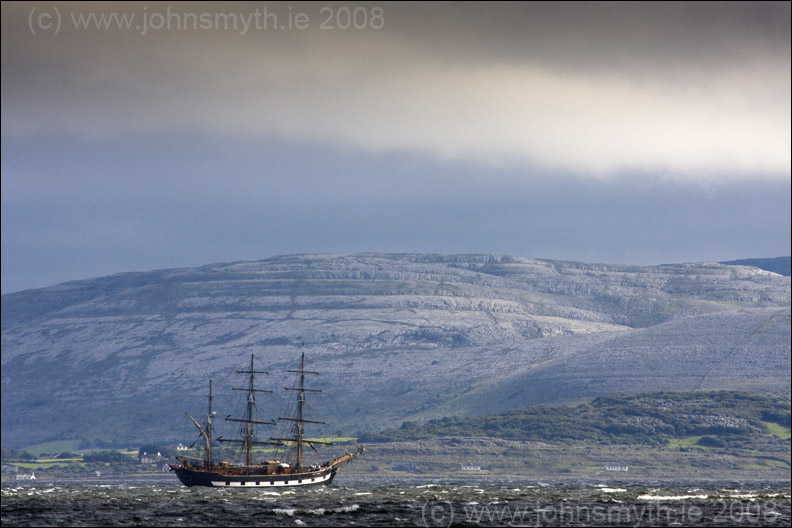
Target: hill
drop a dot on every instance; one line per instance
(702, 434)
(780, 265)
(714, 418)
(116, 360)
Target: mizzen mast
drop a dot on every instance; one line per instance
(299, 420)
(248, 432)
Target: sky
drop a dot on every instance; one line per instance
(144, 136)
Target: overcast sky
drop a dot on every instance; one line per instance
(147, 136)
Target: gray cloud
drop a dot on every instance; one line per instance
(691, 91)
(155, 202)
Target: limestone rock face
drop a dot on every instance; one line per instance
(396, 337)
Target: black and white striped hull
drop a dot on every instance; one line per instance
(191, 477)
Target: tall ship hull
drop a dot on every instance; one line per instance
(262, 476)
(191, 477)
(206, 472)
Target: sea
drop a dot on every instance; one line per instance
(390, 501)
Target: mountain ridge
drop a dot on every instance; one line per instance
(780, 265)
(421, 336)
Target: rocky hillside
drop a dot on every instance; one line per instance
(396, 337)
(780, 265)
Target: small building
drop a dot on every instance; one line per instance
(149, 458)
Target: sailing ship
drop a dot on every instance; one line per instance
(193, 471)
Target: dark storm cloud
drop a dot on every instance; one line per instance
(685, 89)
(601, 38)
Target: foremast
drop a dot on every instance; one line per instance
(206, 430)
(299, 420)
(248, 431)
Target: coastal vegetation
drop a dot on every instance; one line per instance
(702, 419)
(661, 433)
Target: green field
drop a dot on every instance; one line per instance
(778, 430)
(687, 441)
(333, 439)
(50, 463)
(60, 446)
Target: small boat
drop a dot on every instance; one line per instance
(193, 471)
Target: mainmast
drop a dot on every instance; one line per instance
(299, 435)
(248, 432)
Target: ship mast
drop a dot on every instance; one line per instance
(206, 430)
(299, 435)
(248, 432)
(209, 418)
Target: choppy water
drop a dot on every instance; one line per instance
(398, 502)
